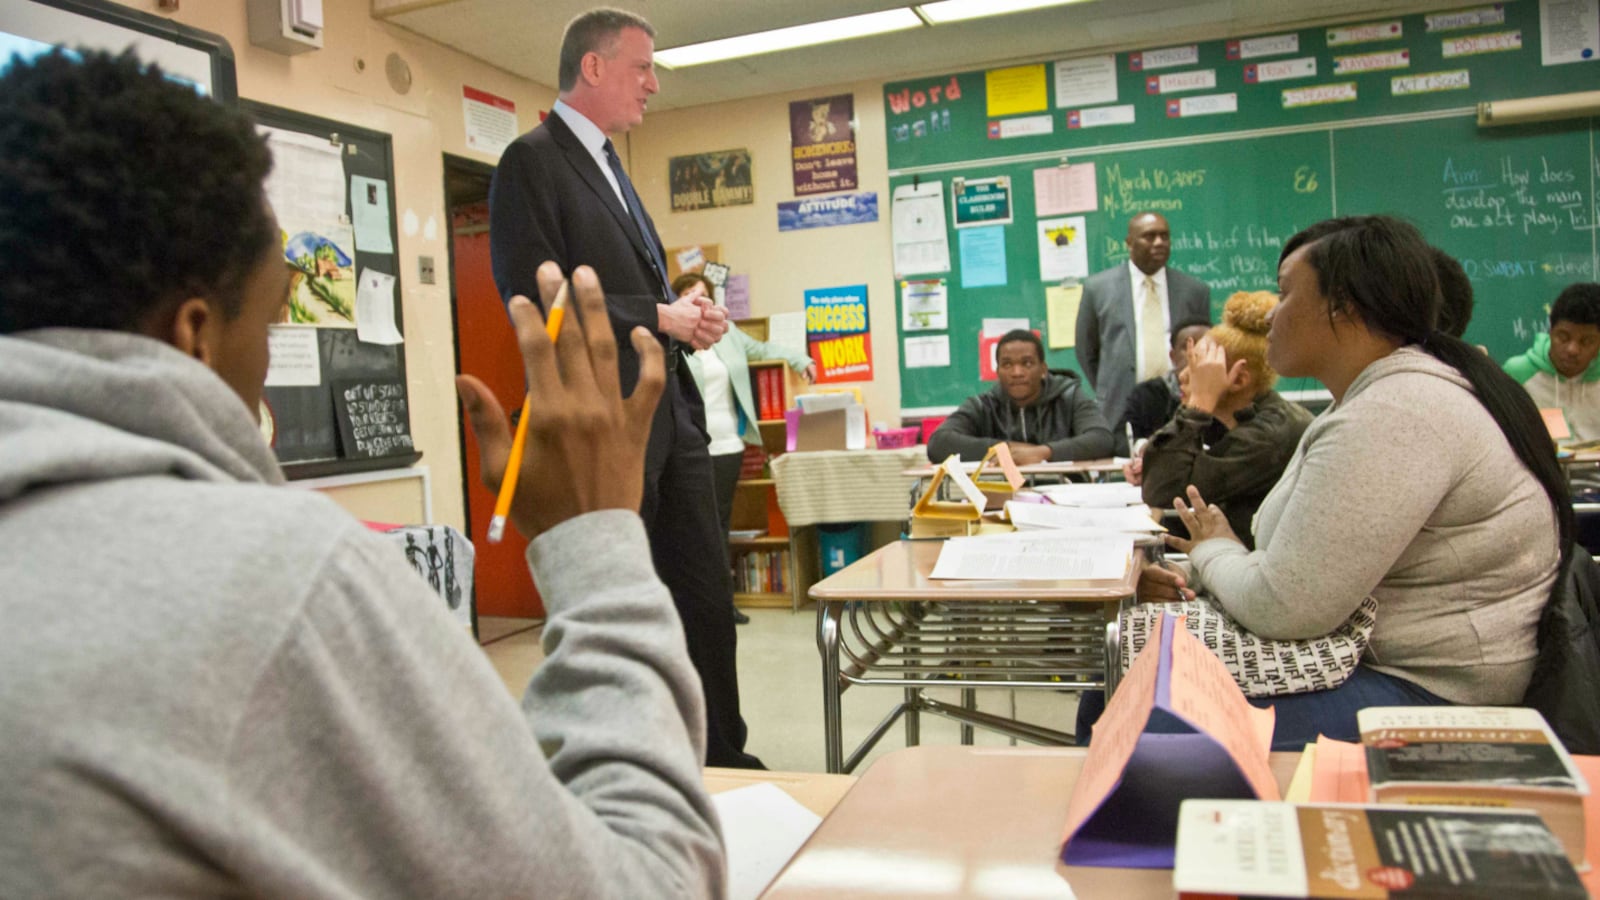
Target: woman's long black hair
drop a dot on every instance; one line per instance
(1380, 269)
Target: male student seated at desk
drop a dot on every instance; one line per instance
(1043, 415)
(216, 686)
(1562, 368)
(1154, 400)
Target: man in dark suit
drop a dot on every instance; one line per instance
(560, 193)
(1126, 314)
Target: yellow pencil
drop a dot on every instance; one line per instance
(508, 482)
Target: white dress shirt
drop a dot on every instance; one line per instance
(1136, 278)
(593, 140)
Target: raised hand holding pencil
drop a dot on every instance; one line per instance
(508, 482)
(583, 448)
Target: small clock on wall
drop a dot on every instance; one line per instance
(269, 425)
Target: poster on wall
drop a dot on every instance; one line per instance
(837, 336)
(307, 191)
(708, 180)
(981, 201)
(822, 144)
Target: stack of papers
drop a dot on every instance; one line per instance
(1096, 496)
(1065, 554)
(1035, 516)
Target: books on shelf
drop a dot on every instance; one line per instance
(754, 464)
(771, 398)
(1248, 848)
(761, 572)
(1490, 756)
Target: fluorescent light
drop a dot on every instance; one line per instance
(788, 38)
(956, 10)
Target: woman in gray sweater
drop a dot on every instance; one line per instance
(1428, 485)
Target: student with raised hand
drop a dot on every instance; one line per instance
(1234, 434)
(1043, 415)
(1428, 485)
(214, 685)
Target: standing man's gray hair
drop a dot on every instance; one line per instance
(594, 31)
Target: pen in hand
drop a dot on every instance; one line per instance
(508, 482)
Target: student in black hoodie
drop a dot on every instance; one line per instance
(1042, 414)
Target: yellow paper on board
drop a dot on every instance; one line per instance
(1061, 311)
(1018, 89)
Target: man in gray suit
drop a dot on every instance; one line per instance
(1126, 313)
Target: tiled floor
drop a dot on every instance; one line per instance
(780, 686)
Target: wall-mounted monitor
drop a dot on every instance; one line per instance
(198, 58)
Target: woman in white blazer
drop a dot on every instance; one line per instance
(722, 374)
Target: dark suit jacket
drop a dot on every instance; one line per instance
(1106, 338)
(550, 201)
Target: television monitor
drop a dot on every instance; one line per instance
(188, 55)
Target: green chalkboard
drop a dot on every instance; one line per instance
(1222, 234)
(1516, 205)
(927, 127)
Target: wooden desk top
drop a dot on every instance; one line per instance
(900, 571)
(816, 791)
(953, 822)
(1108, 464)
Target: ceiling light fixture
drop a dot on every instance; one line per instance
(825, 32)
(958, 10)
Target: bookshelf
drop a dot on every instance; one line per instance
(764, 567)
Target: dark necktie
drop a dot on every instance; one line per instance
(636, 211)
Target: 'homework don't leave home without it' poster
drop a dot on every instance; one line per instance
(837, 335)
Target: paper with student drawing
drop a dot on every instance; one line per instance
(917, 220)
(1036, 516)
(1035, 556)
(763, 828)
(1063, 248)
(375, 323)
(306, 187)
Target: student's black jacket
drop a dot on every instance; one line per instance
(1063, 417)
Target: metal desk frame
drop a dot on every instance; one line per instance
(882, 621)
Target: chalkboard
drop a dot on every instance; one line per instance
(1235, 186)
(311, 427)
(958, 130)
(374, 417)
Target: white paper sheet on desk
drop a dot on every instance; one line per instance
(1035, 556)
(763, 828)
(1099, 496)
(1027, 516)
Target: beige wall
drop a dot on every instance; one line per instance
(425, 123)
(783, 265)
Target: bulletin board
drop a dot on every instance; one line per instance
(1386, 124)
(336, 398)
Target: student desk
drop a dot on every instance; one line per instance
(815, 791)
(882, 621)
(953, 822)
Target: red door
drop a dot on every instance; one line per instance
(488, 349)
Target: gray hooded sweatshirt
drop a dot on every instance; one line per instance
(211, 685)
(1405, 490)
